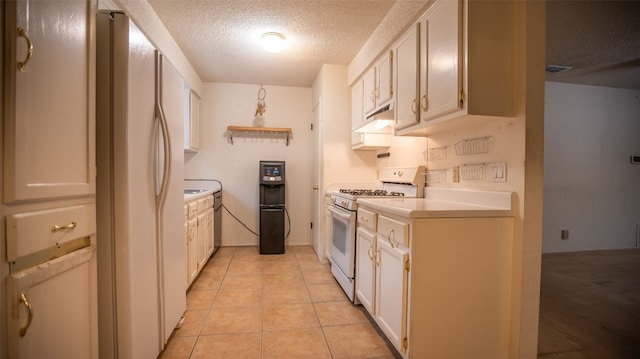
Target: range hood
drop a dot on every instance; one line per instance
(381, 121)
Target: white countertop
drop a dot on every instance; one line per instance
(211, 187)
(447, 203)
(191, 197)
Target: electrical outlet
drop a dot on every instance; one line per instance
(564, 234)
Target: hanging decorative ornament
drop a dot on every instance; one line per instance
(262, 106)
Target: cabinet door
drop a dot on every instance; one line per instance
(186, 244)
(384, 79)
(369, 89)
(50, 109)
(192, 130)
(407, 71)
(357, 103)
(391, 292)
(365, 269)
(192, 249)
(202, 239)
(209, 233)
(52, 312)
(440, 80)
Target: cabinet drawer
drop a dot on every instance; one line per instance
(35, 231)
(393, 230)
(193, 209)
(210, 202)
(202, 205)
(367, 219)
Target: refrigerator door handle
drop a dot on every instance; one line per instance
(164, 129)
(161, 196)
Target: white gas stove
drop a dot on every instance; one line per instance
(394, 182)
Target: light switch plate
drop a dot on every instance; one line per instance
(497, 172)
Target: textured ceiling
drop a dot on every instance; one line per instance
(599, 39)
(221, 38)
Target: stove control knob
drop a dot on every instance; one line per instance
(333, 200)
(400, 173)
(344, 203)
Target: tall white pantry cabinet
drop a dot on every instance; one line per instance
(48, 179)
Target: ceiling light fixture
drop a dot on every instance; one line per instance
(273, 41)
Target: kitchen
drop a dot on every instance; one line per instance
(293, 107)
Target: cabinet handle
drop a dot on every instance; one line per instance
(392, 241)
(22, 66)
(423, 103)
(369, 252)
(378, 257)
(23, 299)
(413, 106)
(56, 228)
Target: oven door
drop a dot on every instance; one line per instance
(343, 237)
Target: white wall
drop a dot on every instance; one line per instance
(504, 144)
(339, 163)
(590, 186)
(236, 165)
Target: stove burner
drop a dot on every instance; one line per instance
(370, 192)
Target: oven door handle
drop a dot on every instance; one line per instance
(340, 213)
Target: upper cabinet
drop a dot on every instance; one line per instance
(466, 66)
(192, 122)
(407, 71)
(357, 104)
(49, 96)
(378, 83)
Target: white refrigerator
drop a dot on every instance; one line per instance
(140, 240)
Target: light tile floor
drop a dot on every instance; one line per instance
(247, 305)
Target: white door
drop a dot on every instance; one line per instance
(407, 70)
(50, 124)
(384, 78)
(365, 268)
(173, 253)
(440, 80)
(391, 292)
(52, 308)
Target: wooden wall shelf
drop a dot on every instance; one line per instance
(258, 131)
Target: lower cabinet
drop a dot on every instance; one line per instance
(391, 292)
(382, 276)
(52, 310)
(199, 233)
(437, 287)
(365, 267)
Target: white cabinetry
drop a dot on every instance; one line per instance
(366, 91)
(378, 83)
(199, 232)
(49, 179)
(209, 231)
(202, 233)
(192, 122)
(381, 275)
(365, 258)
(466, 66)
(357, 104)
(407, 66)
(391, 291)
(192, 242)
(49, 133)
(441, 88)
(441, 285)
